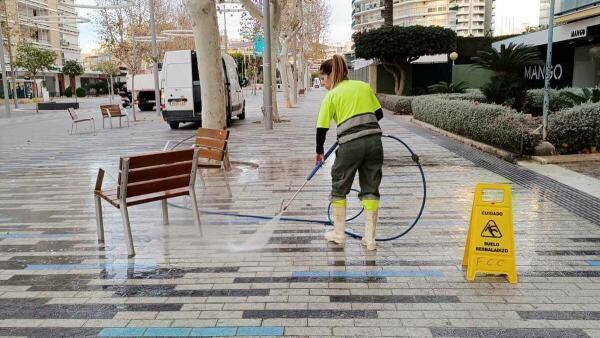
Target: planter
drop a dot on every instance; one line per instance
(57, 105)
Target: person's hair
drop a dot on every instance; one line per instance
(336, 68)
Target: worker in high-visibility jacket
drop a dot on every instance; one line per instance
(356, 112)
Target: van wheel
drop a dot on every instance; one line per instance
(174, 125)
(243, 113)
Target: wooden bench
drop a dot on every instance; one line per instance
(213, 152)
(149, 178)
(75, 120)
(112, 110)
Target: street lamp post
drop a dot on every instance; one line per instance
(548, 71)
(4, 73)
(154, 59)
(267, 94)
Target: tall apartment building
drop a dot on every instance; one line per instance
(467, 17)
(544, 13)
(474, 17)
(62, 38)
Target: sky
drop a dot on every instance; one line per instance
(523, 11)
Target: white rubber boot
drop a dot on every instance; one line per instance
(338, 234)
(368, 239)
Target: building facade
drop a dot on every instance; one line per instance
(576, 47)
(467, 17)
(60, 37)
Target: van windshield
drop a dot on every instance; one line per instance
(179, 75)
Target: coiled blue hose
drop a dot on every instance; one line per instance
(415, 159)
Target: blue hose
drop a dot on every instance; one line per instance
(319, 165)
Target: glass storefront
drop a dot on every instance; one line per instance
(586, 70)
(565, 6)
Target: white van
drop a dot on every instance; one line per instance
(182, 99)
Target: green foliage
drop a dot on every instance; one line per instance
(506, 90)
(400, 105)
(80, 92)
(68, 92)
(496, 125)
(34, 59)
(509, 60)
(533, 102)
(397, 46)
(107, 67)
(445, 87)
(397, 43)
(572, 99)
(72, 68)
(575, 130)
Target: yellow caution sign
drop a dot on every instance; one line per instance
(490, 244)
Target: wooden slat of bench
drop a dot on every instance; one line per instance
(212, 143)
(163, 184)
(159, 158)
(212, 154)
(161, 171)
(111, 196)
(213, 133)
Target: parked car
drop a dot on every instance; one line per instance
(182, 99)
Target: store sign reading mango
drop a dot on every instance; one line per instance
(490, 246)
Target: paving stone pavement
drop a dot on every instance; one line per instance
(56, 280)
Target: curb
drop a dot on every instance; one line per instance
(566, 158)
(503, 154)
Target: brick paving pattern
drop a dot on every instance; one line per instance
(56, 280)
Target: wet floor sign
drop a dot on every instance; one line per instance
(490, 244)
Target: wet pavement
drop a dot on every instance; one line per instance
(56, 280)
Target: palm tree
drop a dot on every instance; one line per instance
(388, 12)
(509, 60)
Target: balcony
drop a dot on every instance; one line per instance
(35, 3)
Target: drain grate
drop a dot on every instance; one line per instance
(573, 200)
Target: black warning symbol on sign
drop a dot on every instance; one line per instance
(491, 230)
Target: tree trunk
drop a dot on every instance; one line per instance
(274, 48)
(402, 83)
(388, 13)
(282, 63)
(399, 76)
(133, 96)
(208, 50)
(294, 74)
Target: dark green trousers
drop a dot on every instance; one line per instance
(364, 155)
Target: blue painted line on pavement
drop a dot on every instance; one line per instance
(168, 331)
(593, 263)
(192, 332)
(105, 266)
(349, 274)
(122, 332)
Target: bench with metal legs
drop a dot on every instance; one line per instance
(75, 120)
(149, 178)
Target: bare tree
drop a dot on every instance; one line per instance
(203, 14)
(256, 13)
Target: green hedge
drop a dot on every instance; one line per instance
(80, 92)
(400, 105)
(575, 130)
(533, 102)
(496, 125)
(68, 92)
